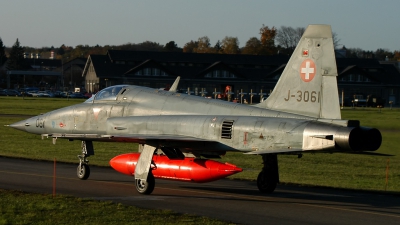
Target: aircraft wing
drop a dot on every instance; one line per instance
(179, 141)
(275, 151)
(185, 143)
(144, 138)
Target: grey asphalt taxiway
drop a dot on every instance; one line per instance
(235, 201)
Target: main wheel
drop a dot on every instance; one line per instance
(83, 171)
(264, 184)
(145, 187)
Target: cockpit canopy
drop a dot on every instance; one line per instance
(107, 94)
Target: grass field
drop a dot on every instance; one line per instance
(339, 170)
(25, 208)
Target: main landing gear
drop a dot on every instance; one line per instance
(144, 179)
(83, 170)
(269, 176)
(145, 187)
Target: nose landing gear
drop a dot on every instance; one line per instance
(83, 170)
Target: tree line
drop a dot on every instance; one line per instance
(271, 41)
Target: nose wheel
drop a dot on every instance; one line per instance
(83, 169)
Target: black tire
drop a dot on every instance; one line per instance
(83, 171)
(146, 187)
(264, 184)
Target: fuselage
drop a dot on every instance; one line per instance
(224, 126)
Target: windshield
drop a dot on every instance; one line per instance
(107, 94)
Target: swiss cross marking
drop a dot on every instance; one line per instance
(307, 70)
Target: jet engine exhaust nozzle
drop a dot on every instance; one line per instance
(358, 138)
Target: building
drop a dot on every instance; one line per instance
(39, 73)
(53, 74)
(207, 74)
(72, 74)
(220, 75)
(368, 78)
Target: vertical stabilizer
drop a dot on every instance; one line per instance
(308, 83)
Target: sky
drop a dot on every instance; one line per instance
(365, 24)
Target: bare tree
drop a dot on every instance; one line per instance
(288, 37)
(335, 40)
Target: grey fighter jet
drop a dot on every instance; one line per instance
(301, 115)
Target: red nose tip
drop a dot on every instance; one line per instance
(225, 170)
(124, 163)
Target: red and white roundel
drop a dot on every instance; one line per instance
(307, 70)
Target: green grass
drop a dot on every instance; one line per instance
(33, 105)
(341, 170)
(25, 208)
(338, 170)
(352, 171)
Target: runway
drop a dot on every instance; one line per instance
(234, 201)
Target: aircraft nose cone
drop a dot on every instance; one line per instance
(21, 125)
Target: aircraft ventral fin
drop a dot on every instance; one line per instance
(308, 84)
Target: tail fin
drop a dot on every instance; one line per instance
(308, 83)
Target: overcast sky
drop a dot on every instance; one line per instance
(365, 24)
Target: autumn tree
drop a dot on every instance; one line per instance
(203, 45)
(98, 50)
(79, 51)
(150, 46)
(190, 46)
(16, 59)
(144, 46)
(267, 38)
(230, 45)
(396, 56)
(253, 47)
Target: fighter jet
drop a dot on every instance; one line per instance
(178, 133)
